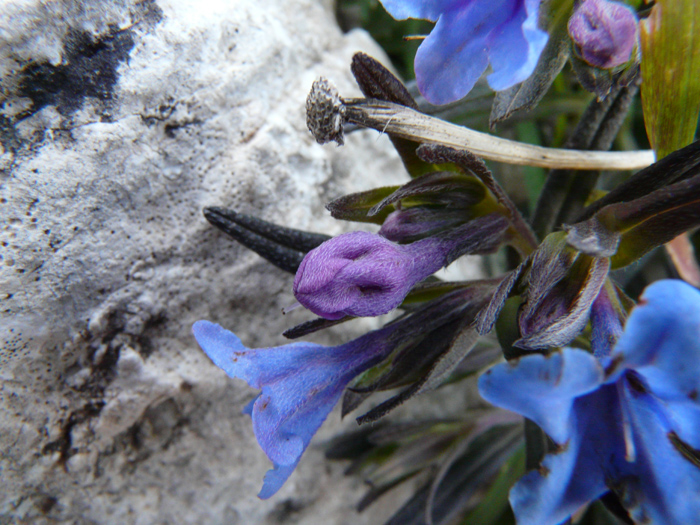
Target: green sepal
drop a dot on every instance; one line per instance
(354, 207)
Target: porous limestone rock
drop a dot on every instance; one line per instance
(119, 121)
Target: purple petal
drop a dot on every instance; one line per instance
(604, 32)
(543, 388)
(364, 274)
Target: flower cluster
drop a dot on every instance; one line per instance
(626, 420)
(608, 386)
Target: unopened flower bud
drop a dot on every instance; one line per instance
(363, 274)
(604, 33)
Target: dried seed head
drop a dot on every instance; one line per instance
(325, 112)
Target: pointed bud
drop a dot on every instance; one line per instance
(604, 33)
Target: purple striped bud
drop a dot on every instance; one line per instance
(604, 33)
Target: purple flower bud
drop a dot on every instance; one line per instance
(604, 33)
(363, 274)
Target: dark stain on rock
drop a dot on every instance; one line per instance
(88, 70)
(64, 444)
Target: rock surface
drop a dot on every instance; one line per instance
(119, 121)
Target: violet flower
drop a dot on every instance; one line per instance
(364, 274)
(627, 422)
(468, 35)
(300, 383)
(604, 33)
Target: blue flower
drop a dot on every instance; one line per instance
(468, 35)
(300, 384)
(627, 422)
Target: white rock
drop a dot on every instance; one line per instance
(110, 412)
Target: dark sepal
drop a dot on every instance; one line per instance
(625, 231)
(445, 357)
(488, 316)
(378, 82)
(528, 94)
(598, 81)
(562, 285)
(309, 327)
(433, 350)
(679, 165)
(566, 191)
(355, 207)
(283, 247)
(471, 164)
(437, 188)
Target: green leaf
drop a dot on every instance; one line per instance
(670, 39)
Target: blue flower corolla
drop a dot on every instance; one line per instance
(627, 422)
(468, 35)
(300, 384)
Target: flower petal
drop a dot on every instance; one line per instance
(661, 485)
(661, 342)
(515, 47)
(403, 9)
(455, 54)
(543, 388)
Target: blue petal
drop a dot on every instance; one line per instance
(431, 10)
(455, 54)
(515, 47)
(661, 342)
(572, 477)
(661, 485)
(274, 479)
(300, 382)
(543, 388)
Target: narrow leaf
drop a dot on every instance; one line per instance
(670, 39)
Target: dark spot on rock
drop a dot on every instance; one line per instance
(693, 394)
(285, 510)
(88, 70)
(64, 444)
(46, 503)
